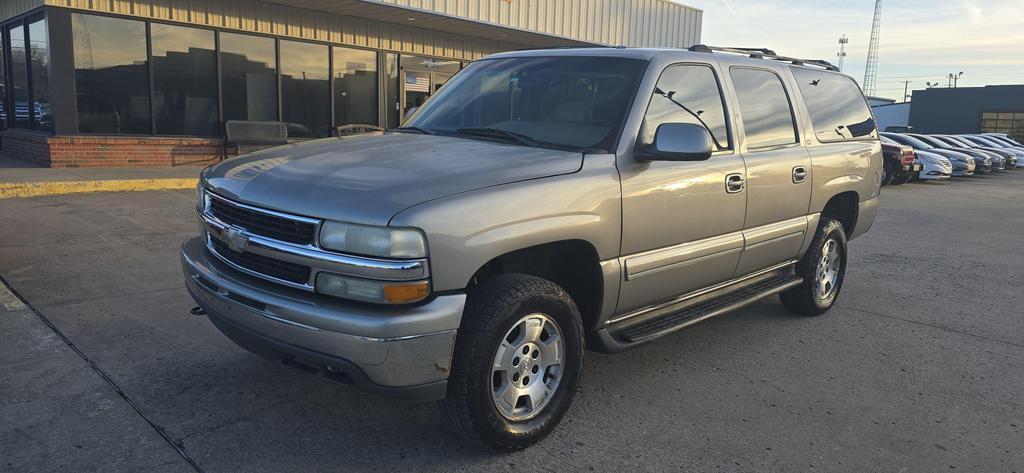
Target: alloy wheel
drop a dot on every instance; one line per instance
(527, 367)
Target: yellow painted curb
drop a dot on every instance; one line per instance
(36, 189)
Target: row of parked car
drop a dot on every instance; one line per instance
(910, 156)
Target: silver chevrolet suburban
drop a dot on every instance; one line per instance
(541, 202)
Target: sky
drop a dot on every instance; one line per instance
(920, 41)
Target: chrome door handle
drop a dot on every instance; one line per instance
(733, 183)
(799, 174)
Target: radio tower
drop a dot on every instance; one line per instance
(842, 51)
(871, 67)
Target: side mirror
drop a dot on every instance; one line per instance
(677, 142)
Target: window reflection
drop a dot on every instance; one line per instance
(248, 68)
(184, 80)
(305, 99)
(430, 64)
(111, 75)
(19, 77)
(837, 107)
(355, 86)
(39, 57)
(764, 108)
(687, 94)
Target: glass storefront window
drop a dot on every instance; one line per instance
(111, 75)
(355, 86)
(19, 77)
(305, 92)
(3, 87)
(184, 80)
(39, 60)
(248, 77)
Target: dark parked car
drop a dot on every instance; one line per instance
(984, 162)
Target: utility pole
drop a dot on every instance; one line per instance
(906, 84)
(841, 55)
(871, 67)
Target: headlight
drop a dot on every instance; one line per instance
(200, 195)
(381, 292)
(383, 242)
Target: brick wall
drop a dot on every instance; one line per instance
(110, 151)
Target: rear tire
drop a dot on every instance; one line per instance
(823, 269)
(511, 407)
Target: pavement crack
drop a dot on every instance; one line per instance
(939, 327)
(177, 446)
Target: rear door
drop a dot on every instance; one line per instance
(778, 177)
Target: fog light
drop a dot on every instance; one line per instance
(381, 292)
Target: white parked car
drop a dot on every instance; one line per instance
(936, 167)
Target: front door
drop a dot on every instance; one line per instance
(778, 171)
(682, 221)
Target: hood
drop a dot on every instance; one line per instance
(933, 158)
(369, 178)
(1005, 153)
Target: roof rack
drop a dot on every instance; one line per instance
(764, 53)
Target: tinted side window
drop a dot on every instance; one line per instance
(687, 94)
(837, 107)
(764, 105)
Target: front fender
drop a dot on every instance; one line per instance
(467, 230)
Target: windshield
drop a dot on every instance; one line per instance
(963, 142)
(574, 103)
(935, 141)
(985, 141)
(909, 141)
(1005, 140)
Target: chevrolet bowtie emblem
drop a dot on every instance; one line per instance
(237, 241)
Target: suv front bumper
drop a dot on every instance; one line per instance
(400, 351)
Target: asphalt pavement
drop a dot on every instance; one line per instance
(918, 368)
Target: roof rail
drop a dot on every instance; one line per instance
(764, 53)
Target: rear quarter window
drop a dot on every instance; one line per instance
(836, 105)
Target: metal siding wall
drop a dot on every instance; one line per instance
(279, 20)
(12, 8)
(650, 23)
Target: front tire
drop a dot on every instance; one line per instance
(517, 362)
(823, 269)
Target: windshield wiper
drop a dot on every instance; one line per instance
(499, 133)
(414, 129)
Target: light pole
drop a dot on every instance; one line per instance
(841, 55)
(953, 78)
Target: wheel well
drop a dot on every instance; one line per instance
(843, 207)
(572, 264)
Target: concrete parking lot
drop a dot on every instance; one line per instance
(919, 367)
